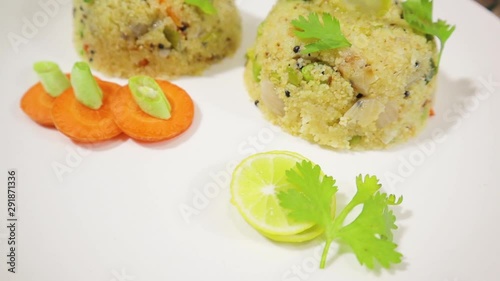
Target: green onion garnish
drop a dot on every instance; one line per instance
(86, 89)
(53, 80)
(149, 96)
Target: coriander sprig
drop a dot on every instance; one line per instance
(418, 14)
(369, 235)
(326, 35)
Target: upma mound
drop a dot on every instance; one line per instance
(158, 38)
(373, 94)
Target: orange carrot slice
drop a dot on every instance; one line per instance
(432, 112)
(37, 104)
(141, 126)
(81, 123)
(171, 14)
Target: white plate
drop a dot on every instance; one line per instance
(114, 214)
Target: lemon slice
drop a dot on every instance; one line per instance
(306, 235)
(379, 7)
(254, 185)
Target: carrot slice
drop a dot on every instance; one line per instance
(81, 123)
(37, 104)
(171, 14)
(140, 126)
(432, 112)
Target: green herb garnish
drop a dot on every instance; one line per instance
(369, 235)
(52, 78)
(205, 5)
(87, 91)
(418, 14)
(326, 36)
(150, 97)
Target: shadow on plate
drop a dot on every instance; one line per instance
(172, 143)
(450, 105)
(167, 144)
(105, 145)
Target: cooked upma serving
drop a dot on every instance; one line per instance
(160, 38)
(344, 74)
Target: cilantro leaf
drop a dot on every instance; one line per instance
(418, 14)
(326, 36)
(366, 188)
(369, 235)
(311, 201)
(205, 5)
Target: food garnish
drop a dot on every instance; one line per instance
(139, 125)
(85, 86)
(419, 15)
(327, 35)
(149, 96)
(82, 123)
(205, 5)
(254, 186)
(37, 101)
(54, 81)
(93, 110)
(369, 235)
(37, 104)
(287, 198)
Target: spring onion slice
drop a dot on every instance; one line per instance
(52, 78)
(149, 96)
(87, 91)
